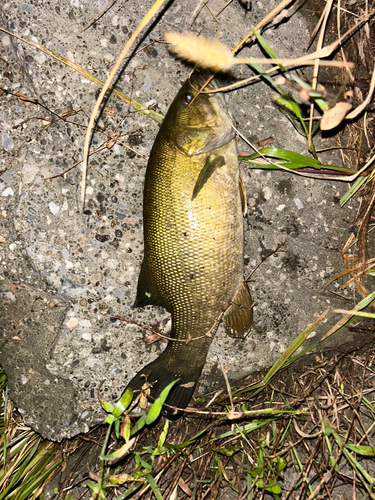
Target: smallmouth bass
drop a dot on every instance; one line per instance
(193, 238)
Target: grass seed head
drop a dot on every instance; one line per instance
(209, 54)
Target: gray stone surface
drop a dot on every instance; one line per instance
(61, 267)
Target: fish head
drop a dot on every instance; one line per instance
(198, 122)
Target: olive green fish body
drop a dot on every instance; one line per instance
(193, 231)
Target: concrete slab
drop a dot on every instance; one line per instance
(61, 268)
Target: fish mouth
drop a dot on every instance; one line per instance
(199, 77)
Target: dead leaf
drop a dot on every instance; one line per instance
(150, 339)
(335, 115)
(109, 110)
(13, 289)
(188, 385)
(264, 142)
(184, 487)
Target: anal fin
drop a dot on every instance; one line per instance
(239, 315)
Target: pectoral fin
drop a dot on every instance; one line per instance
(212, 163)
(147, 293)
(243, 196)
(238, 317)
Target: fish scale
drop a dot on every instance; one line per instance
(193, 232)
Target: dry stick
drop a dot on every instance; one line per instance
(175, 480)
(314, 82)
(358, 284)
(101, 13)
(218, 319)
(227, 383)
(61, 174)
(131, 102)
(357, 111)
(369, 262)
(153, 10)
(101, 147)
(223, 8)
(262, 23)
(338, 7)
(325, 52)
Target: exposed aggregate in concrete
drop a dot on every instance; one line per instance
(61, 267)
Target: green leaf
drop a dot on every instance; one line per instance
(138, 426)
(155, 409)
(128, 493)
(280, 463)
(228, 452)
(120, 452)
(284, 103)
(123, 403)
(95, 487)
(110, 419)
(106, 406)
(255, 473)
(163, 435)
(273, 488)
(125, 428)
(319, 101)
(366, 451)
(32, 485)
(117, 428)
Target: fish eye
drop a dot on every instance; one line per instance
(188, 98)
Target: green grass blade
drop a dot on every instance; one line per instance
(358, 183)
(262, 42)
(20, 464)
(38, 480)
(295, 160)
(129, 492)
(155, 409)
(141, 422)
(285, 356)
(5, 410)
(154, 487)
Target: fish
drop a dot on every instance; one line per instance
(193, 205)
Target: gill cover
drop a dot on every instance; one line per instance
(202, 124)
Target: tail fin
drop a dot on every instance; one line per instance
(159, 374)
